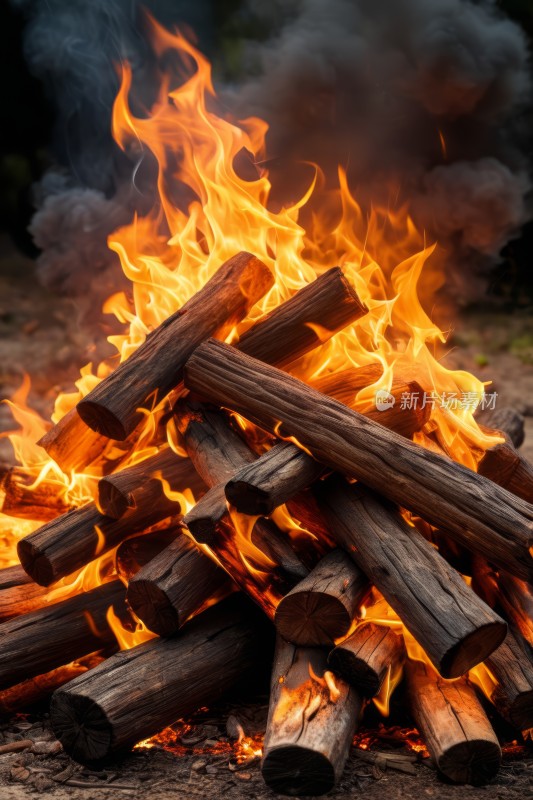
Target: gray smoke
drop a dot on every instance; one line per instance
(373, 84)
(370, 84)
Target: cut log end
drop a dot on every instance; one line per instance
(472, 649)
(81, 726)
(312, 618)
(356, 671)
(474, 762)
(249, 499)
(298, 771)
(152, 605)
(111, 500)
(103, 421)
(35, 563)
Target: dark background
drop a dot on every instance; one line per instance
(30, 141)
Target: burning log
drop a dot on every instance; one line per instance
(138, 692)
(311, 722)
(114, 407)
(477, 513)
(329, 304)
(72, 444)
(507, 420)
(274, 478)
(43, 502)
(18, 593)
(516, 598)
(455, 728)
(504, 465)
(48, 637)
(133, 554)
(322, 606)
(34, 690)
(365, 657)
(121, 491)
(511, 667)
(72, 540)
(453, 625)
(174, 585)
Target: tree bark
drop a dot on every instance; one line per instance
(176, 584)
(137, 692)
(121, 491)
(312, 718)
(309, 318)
(321, 608)
(44, 502)
(114, 407)
(72, 540)
(476, 512)
(365, 657)
(18, 593)
(511, 667)
(133, 554)
(49, 637)
(453, 625)
(454, 726)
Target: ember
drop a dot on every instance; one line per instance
(276, 425)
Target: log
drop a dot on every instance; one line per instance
(455, 728)
(77, 537)
(114, 407)
(43, 503)
(516, 598)
(322, 606)
(366, 657)
(452, 624)
(503, 464)
(133, 554)
(307, 320)
(73, 445)
(511, 688)
(138, 692)
(312, 718)
(48, 637)
(120, 491)
(18, 593)
(35, 690)
(504, 419)
(274, 478)
(477, 513)
(177, 583)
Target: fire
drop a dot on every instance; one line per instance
(204, 213)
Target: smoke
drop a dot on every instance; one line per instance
(418, 100)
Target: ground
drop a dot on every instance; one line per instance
(39, 335)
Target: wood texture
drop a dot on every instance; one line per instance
(72, 444)
(322, 606)
(44, 502)
(504, 465)
(453, 625)
(133, 554)
(49, 637)
(18, 593)
(138, 692)
(121, 491)
(174, 585)
(310, 723)
(511, 666)
(114, 407)
(302, 323)
(504, 419)
(477, 513)
(516, 599)
(365, 657)
(453, 725)
(72, 540)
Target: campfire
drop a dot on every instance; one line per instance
(275, 446)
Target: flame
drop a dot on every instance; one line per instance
(125, 637)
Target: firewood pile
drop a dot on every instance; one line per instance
(398, 560)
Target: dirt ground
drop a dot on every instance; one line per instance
(39, 335)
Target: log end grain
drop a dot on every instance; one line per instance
(151, 604)
(474, 762)
(356, 671)
(111, 500)
(81, 726)
(249, 499)
(298, 771)
(472, 649)
(311, 618)
(103, 421)
(35, 563)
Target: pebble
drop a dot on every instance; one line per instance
(199, 766)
